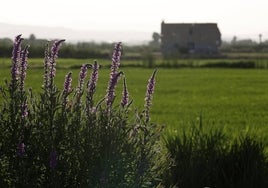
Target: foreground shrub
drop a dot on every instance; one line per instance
(65, 138)
(207, 158)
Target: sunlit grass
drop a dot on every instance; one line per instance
(233, 98)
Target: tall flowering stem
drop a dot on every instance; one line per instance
(46, 67)
(93, 78)
(149, 96)
(53, 56)
(82, 76)
(125, 94)
(117, 53)
(50, 63)
(16, 59)
(67, 88)
(23, 68)
(50, 99)
(24, 109)
(91, 86)
(111, 89)
(55, 49)
(16, 48)
(114, 75)
(68, 83)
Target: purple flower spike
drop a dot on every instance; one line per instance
(53, 159)
(68, 83)
(24, 110)
(46, 67)
(16, 48)
(54, 54)
(24, 64)
(93, 78)
(82, 76)
(116, 57)
(16, 53)
(125, 94)
(67, 88)
(111, 89)
(149, 95)
(114, 75)
(83, 71)
(55, 48)
(21, 149)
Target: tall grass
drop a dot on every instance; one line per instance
(210, 158)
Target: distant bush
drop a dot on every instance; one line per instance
(80, 50)
(237, 64)
(67, 139)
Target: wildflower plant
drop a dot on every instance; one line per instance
(60, 138)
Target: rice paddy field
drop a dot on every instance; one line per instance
(233, 99)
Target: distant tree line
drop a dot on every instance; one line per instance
(86, 49)
(145, 52)
(69, 50)
(244, 45)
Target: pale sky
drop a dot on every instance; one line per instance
(245, 18)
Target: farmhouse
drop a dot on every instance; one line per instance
(183, 38)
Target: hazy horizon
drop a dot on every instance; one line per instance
(74, 36)
(121, 20)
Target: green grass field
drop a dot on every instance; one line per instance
(236, 99)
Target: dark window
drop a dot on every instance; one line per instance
(191, 45)
(191, 31)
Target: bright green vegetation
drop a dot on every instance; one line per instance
(232, 97)
(236, 99)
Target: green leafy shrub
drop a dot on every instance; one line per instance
(207, 158)
(65, 138)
